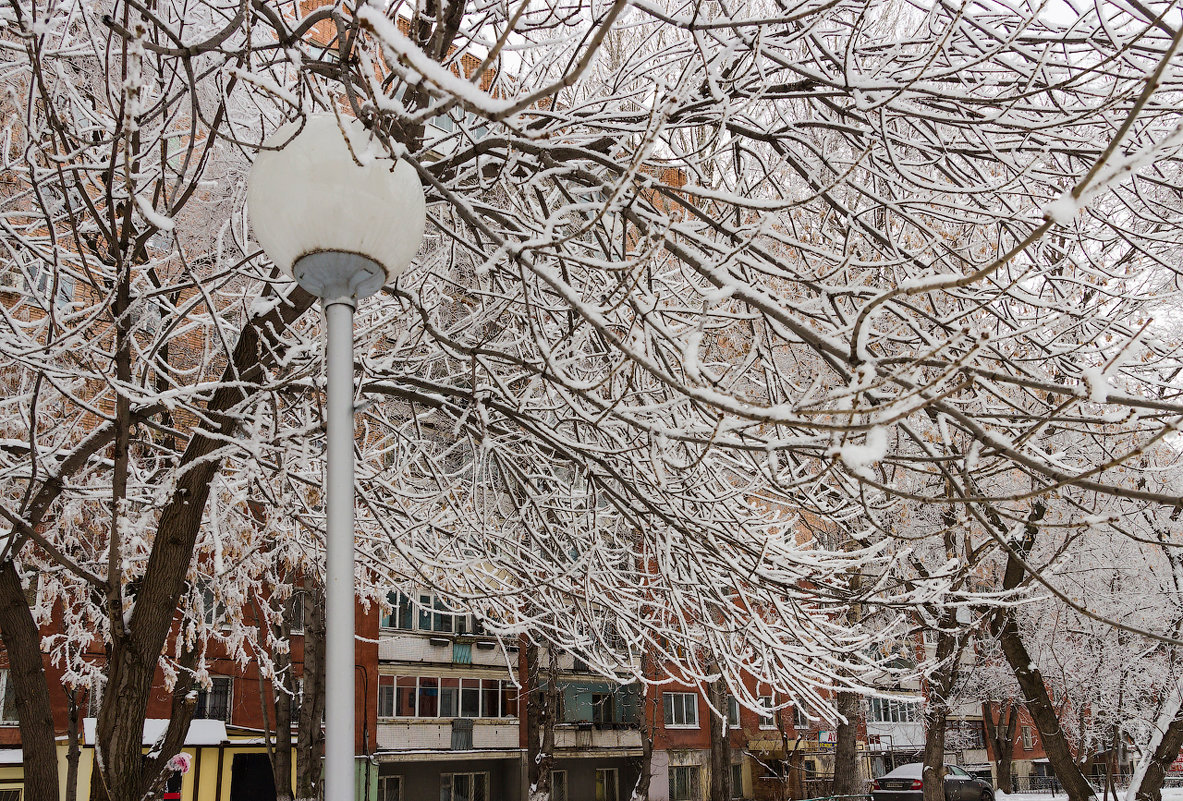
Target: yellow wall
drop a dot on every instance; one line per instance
(205, 761)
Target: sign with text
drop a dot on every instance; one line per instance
(827, 737)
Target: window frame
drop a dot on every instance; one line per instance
(554, 795)
(7, 716)
(893, 710)
(498, 695)
(669, 717)
(450, 778)
(208, 694)
(733, 713)
(384, 792)
(425, 613)
(767, 721)
(615, 776)
(693, 783)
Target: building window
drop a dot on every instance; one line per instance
(684, 783)
(732, 712)
(965, 734)
(399, 616)
(681, 710)
(891, 710)
(7, 698)
(428, 614)
(10, 794)
(1028, 738)
(214, 703)
(464, 787)
(603, 708)
(390, 788)
(800, 722)
(607, 784)
(737, 780)
(558, 785)
(386, 696)
(297, 700)
(431, 697)
(94, 698)
(767, 713)
(296, 613)
(211, 610)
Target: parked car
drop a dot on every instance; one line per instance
(904, 784)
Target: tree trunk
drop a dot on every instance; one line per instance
(26, 671)
(1150, 788)
(720, 743)
(1001, 736)
(310, 736)
(648, 724)
(73, 750)
(950, 643)
(1038, 702)
(137, 642)
(542, 708)
(847, 780)
(933, 773)
(283, 687)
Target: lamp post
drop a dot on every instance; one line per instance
(343, 220)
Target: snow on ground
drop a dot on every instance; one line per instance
(1168, 794)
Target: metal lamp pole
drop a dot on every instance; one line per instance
(341, 222)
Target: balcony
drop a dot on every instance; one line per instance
(595, 736)
(437, 734)
(446, 649)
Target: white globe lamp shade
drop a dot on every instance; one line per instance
(343, 219)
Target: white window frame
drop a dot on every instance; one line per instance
(429, 605)
(7, 715)
(504, 686)
(1027, 733)
(767, 713)
(687, 701)
(892, 710)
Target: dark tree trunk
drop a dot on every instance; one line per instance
(720, 743)
(847, 780)
(1038, 702)
(26, 671)
(310, 735)
(950, 642)
(283, 687)
(137, 644)
(73, 749)
(1150, 788)
(542, 709)
(1001, 736)
(648, 724)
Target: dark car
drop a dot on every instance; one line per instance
(904, 784)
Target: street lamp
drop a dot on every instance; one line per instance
(332, 210)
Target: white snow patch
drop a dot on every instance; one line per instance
(858, 458)
(1098, 386)
(1062, 210)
